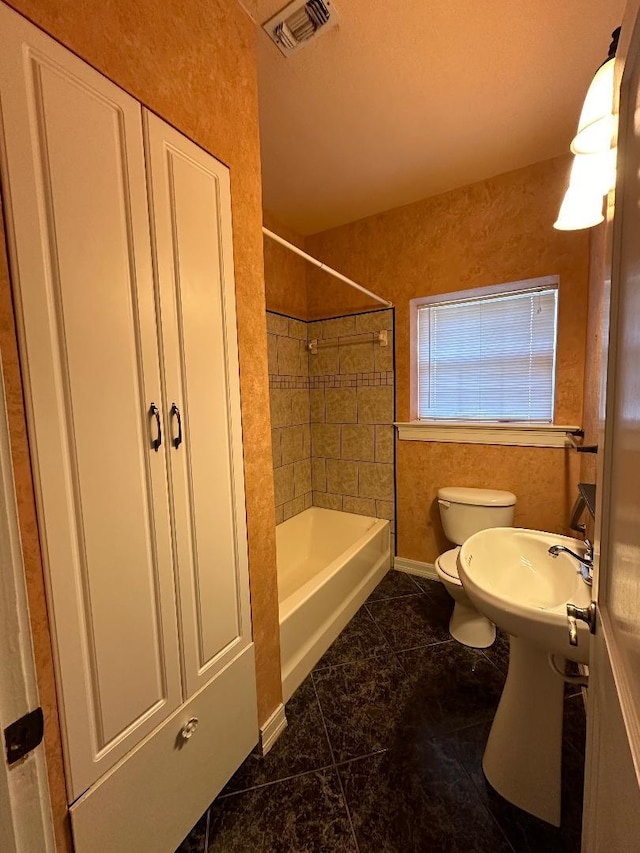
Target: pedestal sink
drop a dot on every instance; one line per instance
(510, 576)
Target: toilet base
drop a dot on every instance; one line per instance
(467, 625)
(470, 627)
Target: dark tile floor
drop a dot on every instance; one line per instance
(384, 746)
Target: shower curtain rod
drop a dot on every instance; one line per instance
(324, 267)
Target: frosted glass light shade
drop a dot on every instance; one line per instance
(594, 173)
(596, 125)
(579, 209)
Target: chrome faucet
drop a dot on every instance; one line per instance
(585, 561)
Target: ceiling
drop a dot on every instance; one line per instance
(404, 100)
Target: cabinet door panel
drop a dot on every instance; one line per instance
(192, 224)
(81, 267)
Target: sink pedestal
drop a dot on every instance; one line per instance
(523, 757)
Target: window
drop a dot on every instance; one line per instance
(488, 354)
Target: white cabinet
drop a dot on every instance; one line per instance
(122, 271)
(191, 213)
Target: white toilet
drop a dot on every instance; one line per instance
(463, 513)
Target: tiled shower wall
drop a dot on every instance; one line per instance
(349, 392)
(290, 414)
(352, 413)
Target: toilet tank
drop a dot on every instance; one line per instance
(467, 511)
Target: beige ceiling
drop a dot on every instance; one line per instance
(409, 98)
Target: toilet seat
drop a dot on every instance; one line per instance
(448, 565)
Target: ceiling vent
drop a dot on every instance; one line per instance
(299, 22)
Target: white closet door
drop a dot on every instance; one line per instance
(191, 204)
(74, 184)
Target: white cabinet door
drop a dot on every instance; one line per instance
(74, 184)
(191, 212)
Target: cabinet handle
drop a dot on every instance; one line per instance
(177, 441)
(154, 411)
(187, 731)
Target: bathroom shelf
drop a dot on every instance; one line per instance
(588, 492)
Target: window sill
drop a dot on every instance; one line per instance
(458, 432)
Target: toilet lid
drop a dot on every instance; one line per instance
(476, 497)
(448, 563)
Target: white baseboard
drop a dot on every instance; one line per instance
(272, 729)
(415, 567)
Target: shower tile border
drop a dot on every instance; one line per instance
(331, 380)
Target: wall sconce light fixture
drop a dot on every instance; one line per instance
(593, 169)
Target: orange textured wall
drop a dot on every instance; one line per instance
(498, 230)
(596, 348)
(284, 272)
(596, 355)
(194, 64)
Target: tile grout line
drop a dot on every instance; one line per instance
(415, 582)
(335, 766)
(424, 646)
(378, 628)
(349, 662)
(417, 594)
(373, 754)
(402, 594)
(397, 652)
(427, 595)
(275, 781)
(206, 831)
(486, 808)
(481, 721)
(493, 663)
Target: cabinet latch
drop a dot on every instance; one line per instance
(24, 735)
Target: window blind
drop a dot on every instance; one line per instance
(490, 358)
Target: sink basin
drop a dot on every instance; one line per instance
(512, 579)
(510, 576)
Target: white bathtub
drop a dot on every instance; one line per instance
(328, 563)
